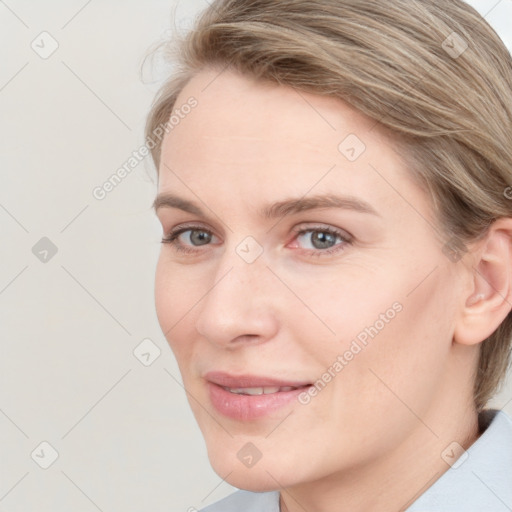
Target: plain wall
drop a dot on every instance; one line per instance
(70, 321)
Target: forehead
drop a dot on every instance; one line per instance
(243, 108)
(252, 136)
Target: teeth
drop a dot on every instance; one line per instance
(267, 390)
(247, 391)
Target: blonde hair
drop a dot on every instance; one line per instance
(431, 72)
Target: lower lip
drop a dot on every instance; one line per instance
(250, 407)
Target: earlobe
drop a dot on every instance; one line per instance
(490, 300)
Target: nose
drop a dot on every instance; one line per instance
(240, 303)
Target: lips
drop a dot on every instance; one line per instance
(248, 397)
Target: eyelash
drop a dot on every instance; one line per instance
(172, 239)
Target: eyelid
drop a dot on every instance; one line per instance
(322, 227)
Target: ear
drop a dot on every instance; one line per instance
(490, 298)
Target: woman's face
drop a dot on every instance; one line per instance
(341, 314)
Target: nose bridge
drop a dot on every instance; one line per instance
(238, 301)
(241, 267)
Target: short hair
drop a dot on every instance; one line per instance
(433, 73)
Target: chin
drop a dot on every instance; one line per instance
(249, 479)
(266, 474)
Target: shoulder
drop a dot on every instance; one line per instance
(245, 501)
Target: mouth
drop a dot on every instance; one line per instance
(249, 397)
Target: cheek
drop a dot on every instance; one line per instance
(173, 301)
(344, 304)
(164, 300)
(403, 364)
(393, 330)
(399, 368)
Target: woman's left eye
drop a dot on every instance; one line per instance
(323, 240)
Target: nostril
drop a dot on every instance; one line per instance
(246, 337)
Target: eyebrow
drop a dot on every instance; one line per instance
(275, 210)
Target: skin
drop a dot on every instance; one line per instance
(372, 438)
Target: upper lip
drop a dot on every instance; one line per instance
(250, 381)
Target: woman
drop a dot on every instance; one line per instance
(335, 279)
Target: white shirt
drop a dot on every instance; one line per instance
(481, 483)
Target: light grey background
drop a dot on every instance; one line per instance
(69, 325)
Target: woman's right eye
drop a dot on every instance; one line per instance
(197, 236)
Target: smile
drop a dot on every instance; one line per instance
(250, 397)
